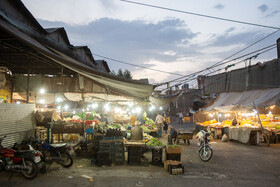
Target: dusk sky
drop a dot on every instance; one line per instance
(159, 39)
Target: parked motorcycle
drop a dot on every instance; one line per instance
(59, 153)
(205, 150)
(24, 146)
(24, 162)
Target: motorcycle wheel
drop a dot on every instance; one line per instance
(67, 160)
(207, 155)
(32, 171)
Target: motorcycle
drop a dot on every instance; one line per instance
(59, 153)
(205, 150)
(24, 162)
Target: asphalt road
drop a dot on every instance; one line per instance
(233, 164)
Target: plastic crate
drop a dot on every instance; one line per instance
(173, 157)
(103, 155)
(104, 163)
(157, 157)
(176, 169)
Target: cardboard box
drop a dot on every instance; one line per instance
(170, 162)
(174, 150)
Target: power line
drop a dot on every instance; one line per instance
(213, 66)
(248, 46)
(136, 65)
(201, 15)
(193, 78)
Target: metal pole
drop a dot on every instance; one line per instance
(265, 135)
(28, 79)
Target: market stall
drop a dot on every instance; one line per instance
(245, 116)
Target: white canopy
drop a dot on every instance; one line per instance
(245, 100)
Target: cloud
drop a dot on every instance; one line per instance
(219, 6)
(167, 45)
(136, 42)
(272, 14)
(263, 8)
(230, 29)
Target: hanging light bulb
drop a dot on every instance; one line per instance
(42, 91)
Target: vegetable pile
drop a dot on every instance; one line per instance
(154, 142)
(145, 129)
(174, 145)
(149, 121)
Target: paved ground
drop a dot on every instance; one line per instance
(233, 164)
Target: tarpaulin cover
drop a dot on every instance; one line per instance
(122, 86)
(246, 100)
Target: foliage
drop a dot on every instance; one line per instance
(89, 116)
(120, 73)
(127, 74)
(154, 142)
(149, 121)
(145, 129)
(123, 74)
(173, 145)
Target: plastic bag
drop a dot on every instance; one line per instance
(224, 138)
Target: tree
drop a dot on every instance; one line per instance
(120, 73)
(113, 73)
(127, 74)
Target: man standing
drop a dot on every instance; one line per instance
(180, 117)
(159, 121)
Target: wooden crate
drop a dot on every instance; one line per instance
(176, 150)
(170, 162)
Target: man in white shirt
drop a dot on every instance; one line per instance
(180, 117)
(159, 121)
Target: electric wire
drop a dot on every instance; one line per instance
(201, 15)
(135, 65)
(188, 80)
(213, 66)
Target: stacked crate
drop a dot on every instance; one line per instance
(157, 157)
(173, 160)
(112, 150)
(173, 153)
(95, 142)
(118, 153)
(104, 154)
(134, 155)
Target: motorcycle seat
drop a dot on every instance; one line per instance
(58, 145)
(19, 153)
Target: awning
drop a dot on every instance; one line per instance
(233, 101)
(123, 87)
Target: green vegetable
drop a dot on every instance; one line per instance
(145, 129)
(149, 121)
(154, 142)
(277, 127)
(174, 145)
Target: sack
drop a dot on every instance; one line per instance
(224, 138)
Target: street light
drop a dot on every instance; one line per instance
(42, 91)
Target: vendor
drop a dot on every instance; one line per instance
(137, 132)
(173, 134)
(234, 121)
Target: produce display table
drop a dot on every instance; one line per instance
(244, 134)
(134, 151)
(140, 143)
